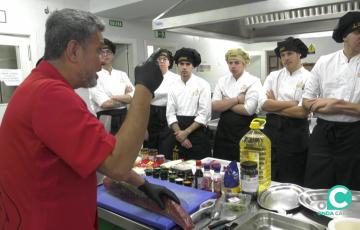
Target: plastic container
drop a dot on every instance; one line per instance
(235, 204)
(344, 224)
(256, 146)
(207, 179)
(217, 180)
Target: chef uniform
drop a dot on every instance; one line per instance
(110, 84)
(288, 135)
(334, 151)
(158, 128)
(233, 126)
(190, 102)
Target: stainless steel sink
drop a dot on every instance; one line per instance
(273, 221)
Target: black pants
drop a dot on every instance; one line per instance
(231, 128)
(334, 155)
(117, 118)
(158, 130)
(289, 144)
(199, 139)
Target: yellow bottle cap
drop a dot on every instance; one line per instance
(257, 123)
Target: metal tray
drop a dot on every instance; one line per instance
(281, 198)
(315, 200)
(270, 220)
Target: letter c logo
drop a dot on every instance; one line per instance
(339, 197)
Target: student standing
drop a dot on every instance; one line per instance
(158, 129)
(189, 108)
(333, 94)
(236, 98)
(286, 120)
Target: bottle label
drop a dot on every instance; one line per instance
(206, 184)
(250, 184)
(199, 182)
(217, 186)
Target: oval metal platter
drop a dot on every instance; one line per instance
(282, 198)
(316, 201)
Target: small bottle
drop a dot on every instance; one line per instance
(198, 175)
(207, 180)
(159, 159)
(249, 178)
(144, 153)
(179, 181)
(172, 176)
(152, 154)
(217, 180)
(175, 155)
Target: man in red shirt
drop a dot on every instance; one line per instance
(51, 145)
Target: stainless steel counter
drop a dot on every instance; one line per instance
(302, 214)
(119, 220)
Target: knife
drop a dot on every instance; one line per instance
(222, 222)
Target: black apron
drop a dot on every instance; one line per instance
(199, 139)
(334, 155)
(289, 141)
(231, 128)
(117, 118)
(158, 130)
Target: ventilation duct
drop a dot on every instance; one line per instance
(253, 20)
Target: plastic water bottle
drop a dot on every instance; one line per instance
(207, 179)
(255, 146)
(217, 180)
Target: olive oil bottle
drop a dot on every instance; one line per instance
(256, 146)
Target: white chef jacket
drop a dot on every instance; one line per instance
(335, 77)
(228, 86)
(108, 85)
(192, 98)
(286, 87)
(161, 93)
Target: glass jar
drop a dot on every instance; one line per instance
(249, 178)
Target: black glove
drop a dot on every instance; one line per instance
(154, 192)
(149, 75)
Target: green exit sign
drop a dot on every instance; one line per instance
(160, 34)
(116, 23)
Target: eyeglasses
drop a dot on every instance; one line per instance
(234, 62)
(106, 52)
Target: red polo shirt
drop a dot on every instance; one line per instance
(50, 148)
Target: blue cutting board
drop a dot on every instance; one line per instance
(190, 200)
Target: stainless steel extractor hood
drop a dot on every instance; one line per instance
(253, 20)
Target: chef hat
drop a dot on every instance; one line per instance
(237, 54)
(346, 24)
(109, 45)
(292, 44)
(189, 55)
(165, 53)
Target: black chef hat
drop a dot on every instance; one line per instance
(291, 44)
(346, 24)
(189, 55)
(165, 53)
(109, 45)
